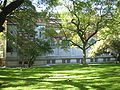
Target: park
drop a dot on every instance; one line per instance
(62, 77)
(59, 44)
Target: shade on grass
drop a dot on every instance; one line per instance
(62, 77)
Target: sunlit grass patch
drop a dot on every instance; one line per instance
(73, 71)
(66, 77)
(62, 77)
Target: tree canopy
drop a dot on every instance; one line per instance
(109, 37)
(7, 9)
(22, 20)
(81, 21)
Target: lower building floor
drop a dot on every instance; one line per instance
(52, 61)
(59, 56)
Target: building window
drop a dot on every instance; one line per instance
(63, 61)
(96, 59)
(78, 60)
(9, 48)
(25, 62)
(91, 60)
(81, 60)
(108, 59)
(20, 62)
(104, 59)
(48, 61)
(68, 61)
(53, 61)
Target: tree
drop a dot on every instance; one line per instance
(29, 47)
(21, 19)
(22, 34)
(82, 20)
(107, 46)
(7, 9)
(109, 37)
(1, 44)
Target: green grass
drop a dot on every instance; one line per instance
(62, 77)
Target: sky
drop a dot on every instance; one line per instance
(39, 8)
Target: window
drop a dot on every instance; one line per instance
(9, 48)
(53, 61)
(26, 62)
(63, 61)
(68, 61)
(81, 60)
(78, 60)
(20, 62)
(104, 59)
(48, 61)
(108, 59)
(96, 59)
(91, 60)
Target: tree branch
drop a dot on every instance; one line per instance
(93, 43)
(97, 28)
(7, 10)
(4, 3)
(72, 21)
(75, 44)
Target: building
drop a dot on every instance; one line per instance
(59, 56)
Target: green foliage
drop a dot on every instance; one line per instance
(81, 21)
(22, 36)
(110, 35)
(1, 44)
(29, 47)
(25, 16)
(107, 33)
(106, 46)
(99, 48)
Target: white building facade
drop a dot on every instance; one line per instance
(59, 56)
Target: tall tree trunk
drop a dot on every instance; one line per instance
(29, 64)
(84, 57)
(31, 61)
(118, 58)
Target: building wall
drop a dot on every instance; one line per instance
(59, 56)
(13, 60)
(55, 61)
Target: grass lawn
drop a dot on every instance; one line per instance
(62, 77)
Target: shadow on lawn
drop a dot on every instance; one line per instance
(10, 77)
(25, 82)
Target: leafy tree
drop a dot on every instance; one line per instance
(82, 20)
(1, 44)
(29, 47)
(21, 19)
(107, 46)
(7, 9)
(22, 34)
(109, 37)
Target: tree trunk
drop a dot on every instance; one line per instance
(31, 61)
(84, 57)
(29, 64)
(118, 58)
